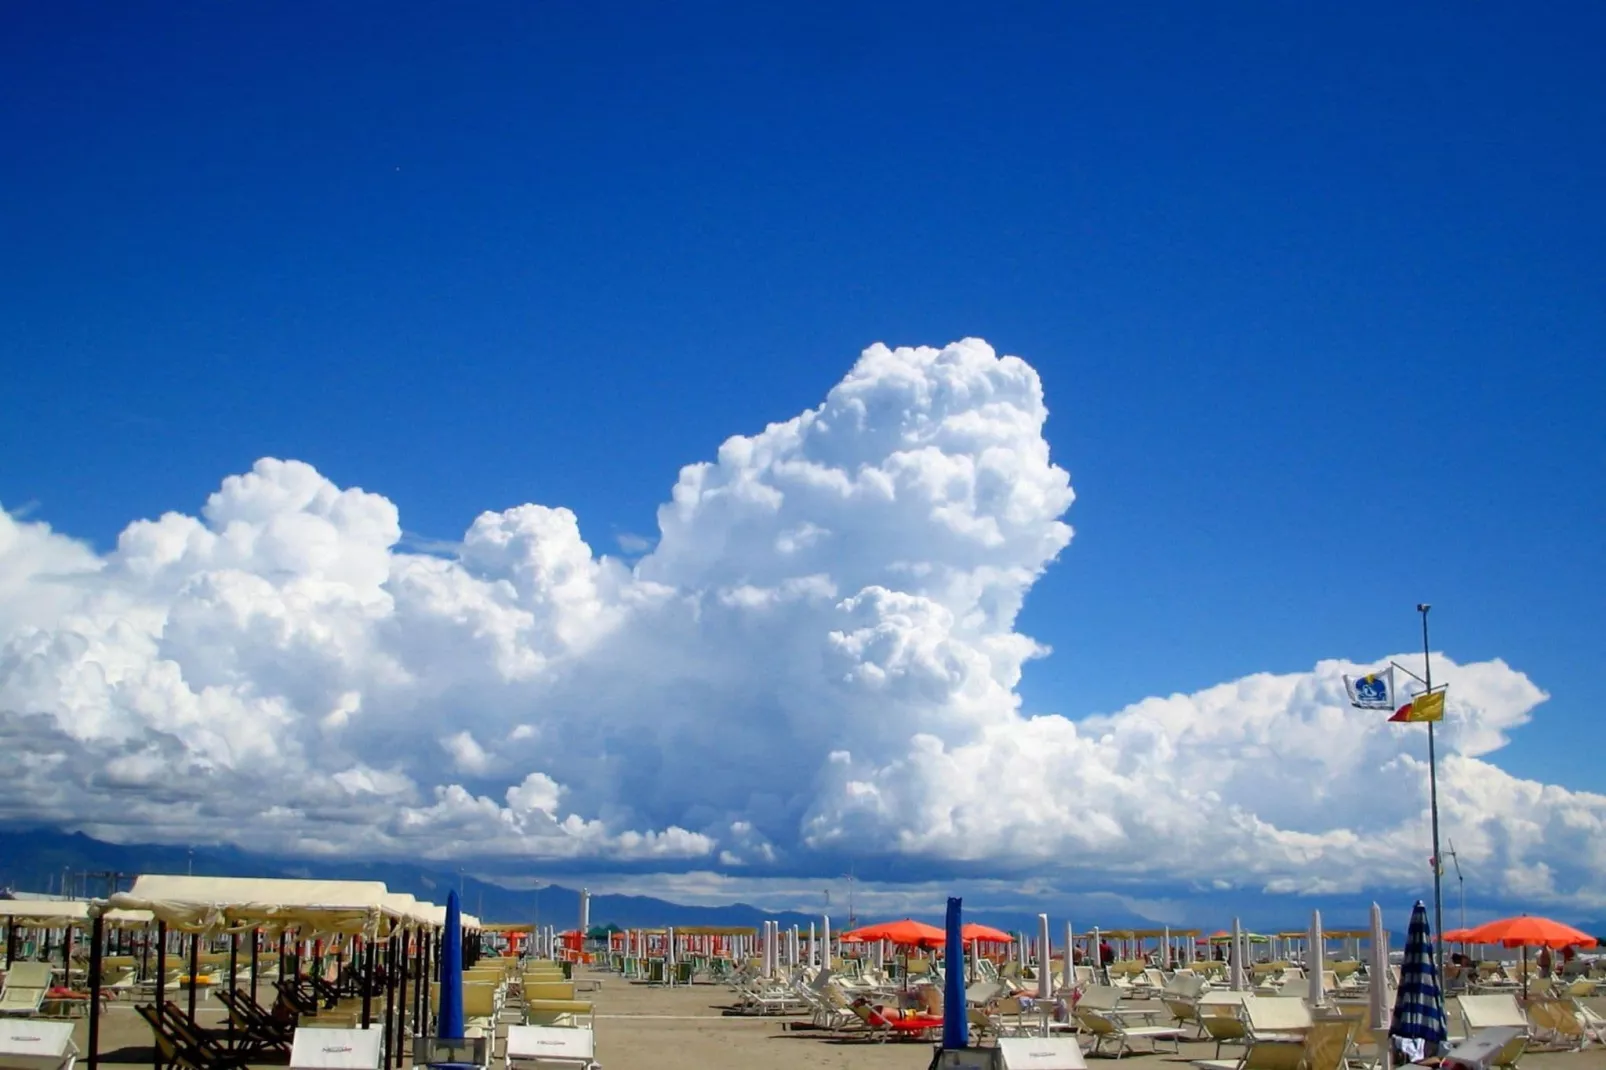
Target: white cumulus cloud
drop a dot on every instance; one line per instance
(815, 655)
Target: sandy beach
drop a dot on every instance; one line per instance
(640, 1027)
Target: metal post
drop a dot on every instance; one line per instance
(1433, 805)
(256, 941)
(195, 970)
(161, 984)
(234, 981)
(399, 956)
(393, 1010)
(366, 979)
(97, 936)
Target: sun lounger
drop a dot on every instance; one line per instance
(1039, 1053)
(559, 1012)
(540, 1046)
(1323, 1047)
(37, 1045)
(1106, 1027)
(25, 988)
(1496, 1011)
(880, 1027)
(1276, 1018)
(337, 1049)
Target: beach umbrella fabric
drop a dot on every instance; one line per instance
(1419, 1004)
(1528, 931)
(906, 932)
(1377, 973)
(955, 1022)
(1314, 959)
(451, 1006)
(976, 931)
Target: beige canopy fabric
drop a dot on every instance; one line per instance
(437, 916)
(237, 904)
(45, 913)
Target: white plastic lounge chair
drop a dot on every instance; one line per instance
(36, 1045)
(337, 1049)
(1106, 1027)
(1496, 1011)
(537, 1046)
(25, 988)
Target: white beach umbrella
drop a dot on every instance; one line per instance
(1045, 969)
(1314, 957)
(825, 942)
(669, 946)
(1378, 969)
(1235, 968)
(1165, 950)
(1070, 955)
(814, 946)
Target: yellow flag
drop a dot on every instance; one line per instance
(1428, 706)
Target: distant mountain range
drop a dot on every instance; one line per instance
(47, 860)
(41, 860)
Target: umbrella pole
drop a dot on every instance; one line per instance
(1433, 805)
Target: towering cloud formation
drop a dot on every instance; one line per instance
(819, 655)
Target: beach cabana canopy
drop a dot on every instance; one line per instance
(45, 913)
(238, 904)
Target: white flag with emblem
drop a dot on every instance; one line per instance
(1374, 691)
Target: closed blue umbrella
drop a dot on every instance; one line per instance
(955, 1023)
(450, 1026)
(1419, 1004)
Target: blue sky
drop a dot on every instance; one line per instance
(1315, 296)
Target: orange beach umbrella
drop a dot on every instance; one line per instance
(1529, 931)
(974, 931)
(907, 932)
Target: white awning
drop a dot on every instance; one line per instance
(200, 904)
(45, 913)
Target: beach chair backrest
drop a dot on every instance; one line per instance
(1273, 1016)
(1100, 998)
(1491, 1011)
(28, 975)
(1327, 1043)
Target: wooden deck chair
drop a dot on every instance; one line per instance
(1107, 1028)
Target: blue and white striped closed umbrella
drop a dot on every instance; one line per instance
(1419, 1004)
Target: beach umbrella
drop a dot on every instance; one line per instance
(1235, 967)
(1045, 981)
(1313, 958)
(1528, 931)
(451, 1007)
(906, 932)
(1378, 973)
(955, 1022)
(1419, 1004)
(1070, 957)
(975, 931)
(825, 942)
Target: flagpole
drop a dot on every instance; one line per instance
(1433, 805)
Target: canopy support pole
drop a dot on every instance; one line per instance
(195, 971)
(256, 942)
(369, 953)
(401, 996)
(234, 981)
(161, 984)
(97, 936)
(395, 1015)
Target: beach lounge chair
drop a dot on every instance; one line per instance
(1496, 1011)
(1107, 1028)
(1220, 1018)
(37, 1046)
(880, 1027)
(1322, 1047)
(1554, 1023)
(1276, 1018)
(1039, 1053)
(25, 988)
(536, 1046)
(337, 1049)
